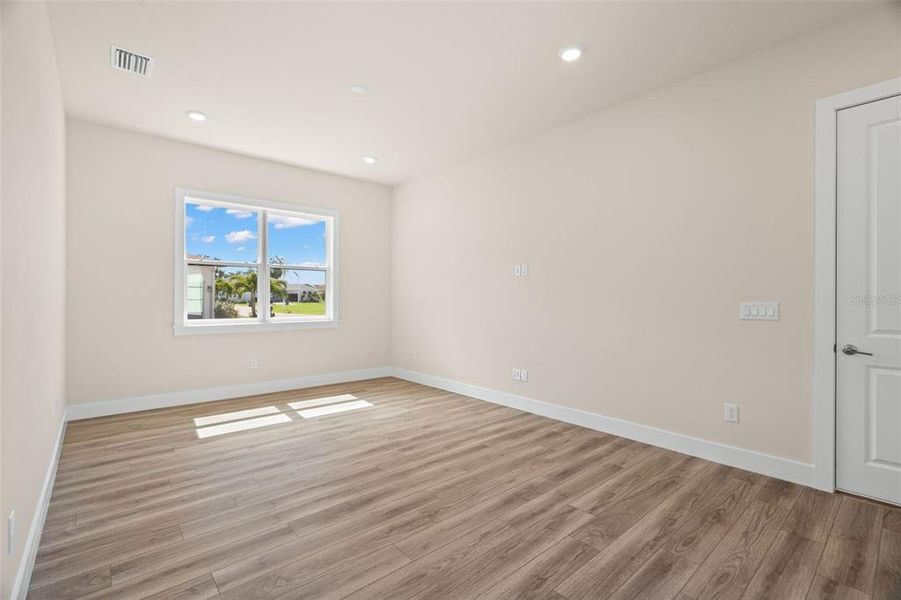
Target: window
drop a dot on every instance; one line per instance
(250, 265)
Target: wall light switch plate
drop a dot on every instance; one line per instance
(758, 311)
(731, 413)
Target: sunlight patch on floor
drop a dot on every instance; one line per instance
(301, 404)
(213, 430)
(235, 416)
(333, 409)
(263, 416)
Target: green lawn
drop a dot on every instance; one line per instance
(299, 308)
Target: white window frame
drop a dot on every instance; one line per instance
(264, 322)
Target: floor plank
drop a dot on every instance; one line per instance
(787, 571)
(539, 577)
(824, 588)
(852, 549)
(813, 514)
(625, 554)
(728, 569)
(888, 572)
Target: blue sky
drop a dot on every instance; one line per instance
(233, 235)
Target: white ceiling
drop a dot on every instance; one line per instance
(447, 80)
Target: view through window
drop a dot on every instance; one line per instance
(247, 263)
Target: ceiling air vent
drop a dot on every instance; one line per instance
(126, 60)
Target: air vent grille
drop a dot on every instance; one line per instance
(126, 60)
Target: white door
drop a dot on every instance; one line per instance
(868, 301)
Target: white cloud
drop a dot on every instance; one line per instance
(286, 222)
(238, 213)
(188, 221)
(239, 248)
(208, 239)
(239, 237)
(204, 207)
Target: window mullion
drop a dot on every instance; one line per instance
(288, 267)
(222, 264)
(264, 295)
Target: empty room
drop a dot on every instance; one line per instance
(459, 300)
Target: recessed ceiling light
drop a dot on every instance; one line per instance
(196, 115)
(360, 90)
(570, 54)
(370, 160)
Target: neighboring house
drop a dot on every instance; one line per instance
(200, 299)
(303, 292)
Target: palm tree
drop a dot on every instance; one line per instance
(225, 289)
(277, 286)
(246, 283)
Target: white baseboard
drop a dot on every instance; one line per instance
(749, 460)
(138, 403)
(30, 550)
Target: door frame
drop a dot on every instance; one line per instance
(824, 395)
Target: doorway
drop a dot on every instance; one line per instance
(866, 296)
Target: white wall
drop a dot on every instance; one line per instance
(32, 381)
(644, 226)
(121, 189)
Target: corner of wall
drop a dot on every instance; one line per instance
(32, 369)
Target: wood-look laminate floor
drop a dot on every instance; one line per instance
(428, 494)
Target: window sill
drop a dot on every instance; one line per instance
(270, 326)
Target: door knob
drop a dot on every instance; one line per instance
(851, 350)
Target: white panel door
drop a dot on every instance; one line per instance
(868, 301)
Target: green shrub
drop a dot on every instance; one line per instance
(225, 310)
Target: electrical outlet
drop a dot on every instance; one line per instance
(731, 413)
(253, 363)
(11, 532)
(516, 375)
(520, 374)
(521, 270)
